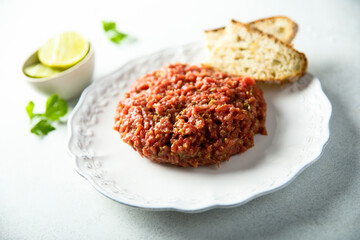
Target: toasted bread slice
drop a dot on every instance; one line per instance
(246, 51)
(281, 27)
(213, 36)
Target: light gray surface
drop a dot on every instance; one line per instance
(42, 197)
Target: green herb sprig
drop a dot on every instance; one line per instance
(42, 123)
(112, 33)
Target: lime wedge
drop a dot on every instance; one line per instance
(40, 71)
(64, 50)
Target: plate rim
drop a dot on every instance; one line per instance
(324, 138)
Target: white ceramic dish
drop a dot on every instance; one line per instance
(67, 84)
(297, 122)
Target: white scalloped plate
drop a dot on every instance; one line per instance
(298, 117)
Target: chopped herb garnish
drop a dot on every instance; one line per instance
(42, 123)
(42, 127)
(112, 33)
(30, 109)
(55, 108)
(108, 25)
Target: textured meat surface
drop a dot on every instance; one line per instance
(191, 115)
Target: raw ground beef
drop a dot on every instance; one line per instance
(191, 115)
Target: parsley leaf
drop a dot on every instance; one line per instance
(108, 25)
(42, 122)
(55, 108)
(115, 36)
(112, 33)
(30, 109)
(42, 127)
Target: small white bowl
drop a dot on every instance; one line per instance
(69, 83)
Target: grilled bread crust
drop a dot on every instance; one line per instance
(243, 50)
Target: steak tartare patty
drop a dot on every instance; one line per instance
(190, 116)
